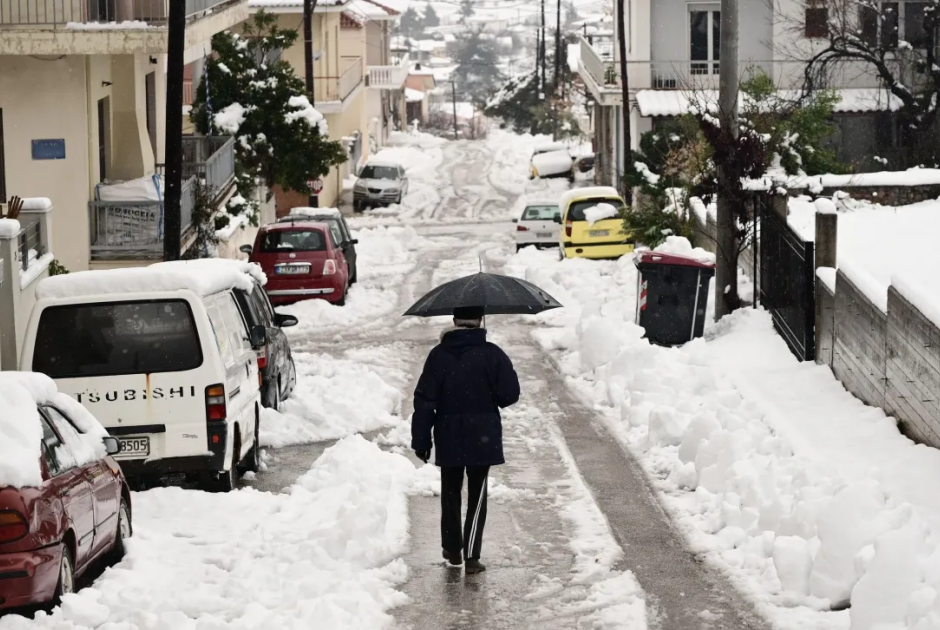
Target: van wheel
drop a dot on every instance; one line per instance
(124, 531)
(66, 582)
(227, 479)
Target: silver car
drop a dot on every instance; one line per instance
(379, 184)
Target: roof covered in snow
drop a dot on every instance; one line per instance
(588, 192)
(21, 429)
(202, 280)
(413, 96)
(209, 265)
(652, 103)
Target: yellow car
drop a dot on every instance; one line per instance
(592, 224)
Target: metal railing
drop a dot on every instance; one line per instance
(58, 13)
(133, 230)
(601, 70)
(330, 89)
(209, 158)
(30, 243)
(389, 77)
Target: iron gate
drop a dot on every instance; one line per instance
(787, 280)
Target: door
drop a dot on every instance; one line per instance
(70, 484)
(3, 177)
(150, 84)
(104, 490)
(241, 372)
(704, 38)
(104, 122)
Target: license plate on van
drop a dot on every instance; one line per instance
(133, 447)
(599, 233)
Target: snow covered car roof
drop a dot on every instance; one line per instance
(552, 163)
(208, 265)
(202, 280)
(21, 429)
(539, 201)
(548, 147)
(588, 192)
(316, 212)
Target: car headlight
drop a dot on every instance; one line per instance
(359, 186)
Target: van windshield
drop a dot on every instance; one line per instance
(576, 210)
(117, 338)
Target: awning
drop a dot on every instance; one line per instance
(654, 103)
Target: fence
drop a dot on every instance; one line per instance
(57, 13)
(133, 230)
(30, 242)
(786, 279)
(210, 158)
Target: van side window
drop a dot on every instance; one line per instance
(235, 326)
(257, 300)
(222, 338)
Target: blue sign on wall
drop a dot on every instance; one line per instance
(49, 149)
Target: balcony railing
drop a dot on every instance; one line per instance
(601, 69)
(329, 89)
(389, 77)
(60, 13)
(30, 242)
(209, 158)
(133, 230)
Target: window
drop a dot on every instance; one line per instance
(54, 452)
(817, 19)
(104, 135)
(115, 338)
(891, 23)
(3, 177)
(234, 326)
(74, 445)
(150, 88)
(576, 210)
(299, 240)
(540, 213)
(222, 339)
(379, 172)
(260, 306)
(704, 40)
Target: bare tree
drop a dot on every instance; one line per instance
(893, 43)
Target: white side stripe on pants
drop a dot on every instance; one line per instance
(476, 516)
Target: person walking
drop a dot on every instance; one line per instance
(465, 382)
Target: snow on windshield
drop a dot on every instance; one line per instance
(599, 212)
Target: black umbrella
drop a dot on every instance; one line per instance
(498, 295)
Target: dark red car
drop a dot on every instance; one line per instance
(302, 260)
(51, 533)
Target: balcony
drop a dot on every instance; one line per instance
(131, 230)
(332, 93)
(389, 77)
(599, 71)
(84, 27)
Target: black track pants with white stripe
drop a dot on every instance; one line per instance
(471, 539)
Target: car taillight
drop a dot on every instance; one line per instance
(13, 526)
(262, 358)
(329, 267)
(215, 402)
(568, 226)
(521, 228)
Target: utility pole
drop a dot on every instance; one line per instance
(558, 46)
(173, 144)
(309, 6)
(542, 50)
(625, 92)
(726, 274)
(453, 91)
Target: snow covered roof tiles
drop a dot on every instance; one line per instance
(652, 103)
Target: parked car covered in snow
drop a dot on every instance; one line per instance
(163, 358)
(302, 260)
(537, 225)
(380, 183)
(64, 503)
(557, 162)
(593, 224)
(341, 232)
(278, 372)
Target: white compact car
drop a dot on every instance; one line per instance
(165, 361)
(380, 183)
(538, 225)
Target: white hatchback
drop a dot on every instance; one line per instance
(538, 225)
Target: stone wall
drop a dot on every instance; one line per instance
(888, 360)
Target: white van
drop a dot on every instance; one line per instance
(163, 358)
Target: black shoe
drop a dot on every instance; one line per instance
(474, 566)
(455, 559)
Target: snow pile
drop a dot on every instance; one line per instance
(305, 111)
(323, 555)
(21, 431)
(314, 212)
(816, 183)
(9, 228)
(680, 246)
(230, 118)
(200, 279)
(600, 212)
(809, 499)
(211, 266)
(333, 398)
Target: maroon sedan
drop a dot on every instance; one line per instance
(51, 532)
(302, 260)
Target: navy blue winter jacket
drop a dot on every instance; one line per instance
(466, 381)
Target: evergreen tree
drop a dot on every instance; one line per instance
(410, 24)
(466, 8)
(431, 19)
(280, 137)
(476, 74)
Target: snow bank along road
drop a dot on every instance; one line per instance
(645, 488)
